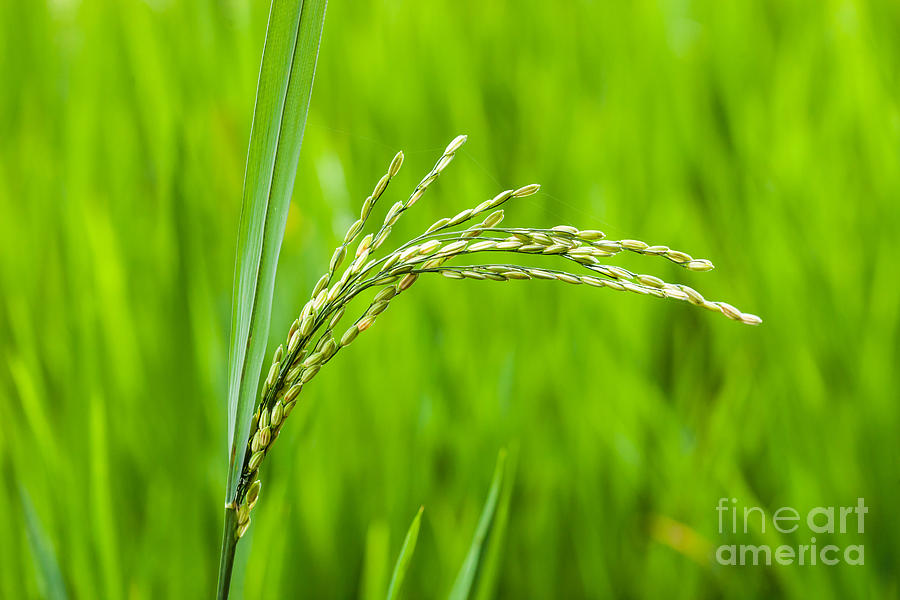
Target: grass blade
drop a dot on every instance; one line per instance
(282, 100)
(466, 577)
(406, 552)
(493, 553)
(283, 92)
(49, 577)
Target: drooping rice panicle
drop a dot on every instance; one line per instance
(312, 342)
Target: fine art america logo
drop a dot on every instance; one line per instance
(827, 521)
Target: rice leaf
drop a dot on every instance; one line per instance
(282, 100)
(493, 553)
(49, 578)
(466, 577)
(406, 552)
(286, 74)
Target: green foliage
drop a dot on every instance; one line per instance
(759, 134)
(282, 101)
(491, 560)
(406, 553)
(462, 587)
(50, 583)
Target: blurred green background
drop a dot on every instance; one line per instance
(762, 135)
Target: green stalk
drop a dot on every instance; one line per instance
(226, 557)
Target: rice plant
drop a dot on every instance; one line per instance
(319, 333)
(472, 244)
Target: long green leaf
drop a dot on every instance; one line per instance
(282, 100)
(406, 552)
(463, 584)
(285, 83)
(50, 581)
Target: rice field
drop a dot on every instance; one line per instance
(761, 135)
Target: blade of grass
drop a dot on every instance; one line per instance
(406, 552)
(49, 577)
(104, 530)
(282, 101)
(466, 577)
(283, 92)
(493, 554)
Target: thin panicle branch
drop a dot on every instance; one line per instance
(357, 227)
